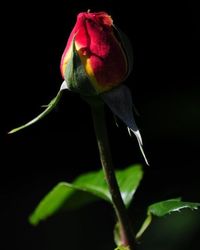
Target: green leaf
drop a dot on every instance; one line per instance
(129, 180)
(166, 207)
(85, 189)
(163, 208)
(53, 103)
(56, 200)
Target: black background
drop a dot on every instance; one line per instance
(165, 86)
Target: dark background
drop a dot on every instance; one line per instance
(165, 86)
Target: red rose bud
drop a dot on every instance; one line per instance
(94, 60)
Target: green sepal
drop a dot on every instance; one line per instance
(75, 75)
(119, 100)
(53, 103)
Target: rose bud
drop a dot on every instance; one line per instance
(94, 60)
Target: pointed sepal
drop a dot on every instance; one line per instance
(53, 103)
(119, 100)
(75, 75)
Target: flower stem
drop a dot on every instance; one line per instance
(127, 235)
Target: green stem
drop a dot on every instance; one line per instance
(127, 235)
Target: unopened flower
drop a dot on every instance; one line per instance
(96, 61)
